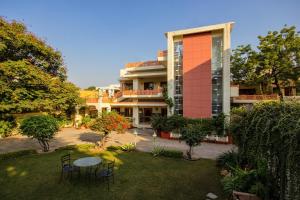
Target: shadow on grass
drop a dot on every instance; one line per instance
(137, 176)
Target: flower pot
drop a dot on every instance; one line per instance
(166, 135)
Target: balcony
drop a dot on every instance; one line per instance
(254, 98)
(140, 93)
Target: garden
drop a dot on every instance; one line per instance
(267, 163)
(138, 175)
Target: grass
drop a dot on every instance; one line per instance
(138, 176)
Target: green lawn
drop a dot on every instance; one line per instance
(138, 176)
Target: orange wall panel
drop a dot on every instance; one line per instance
(197, 83)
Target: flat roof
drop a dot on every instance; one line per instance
(199, 29)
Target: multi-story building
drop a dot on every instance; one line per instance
(194, 70)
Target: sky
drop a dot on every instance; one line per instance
(97, 38)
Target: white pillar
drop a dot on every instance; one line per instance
(170, 70)
(135, 116)
(226, 70)
(135, 84)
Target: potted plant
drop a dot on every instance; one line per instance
(157, 122)
(166, 129)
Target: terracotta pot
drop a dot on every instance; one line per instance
(166, 135)
(230, 139)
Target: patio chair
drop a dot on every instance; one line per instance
(106, 173)
(66, 167)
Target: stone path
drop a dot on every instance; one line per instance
(144, 142)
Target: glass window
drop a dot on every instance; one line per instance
(148, 86)
(178, 83)
(216, 69)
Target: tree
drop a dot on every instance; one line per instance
(32, 74)
(192, 135)
(42, 128)
(17, 43)
(277, 61)
(107, 122)
(91, 88)
(25, 88)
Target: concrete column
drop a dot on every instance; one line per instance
(226, 70)
(135, 84)
(170, 70)
(135, 116)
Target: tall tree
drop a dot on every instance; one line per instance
(17, 43)
(276, 61)
(32, 75)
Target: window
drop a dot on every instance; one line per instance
(148, 86)
(178, 83)
(216, 69)
(128, 86)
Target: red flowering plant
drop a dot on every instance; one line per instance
(110, 121)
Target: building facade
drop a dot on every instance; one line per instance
(194, 71)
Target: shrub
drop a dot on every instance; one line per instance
(192, 135)
(41, 127)
(110, 121)
(228, 159)
(172, 153)
(63, 122)
(161, 151)
(113, 148)
(177, 122)
(270, 132)
(243, 181)
(157, 151)
(17, 154)
(128, 147)
(204, 123)
(157, 122)
(86, 120)
(5, 128)
(218, 124)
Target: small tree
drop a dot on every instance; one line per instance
(108, 122)
(192, 135)
(42, 128)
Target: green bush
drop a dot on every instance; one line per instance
(5, 128)
(157, 151)
(41, 127)
(177, 122)
(86, 120)
(128, 147)
(161, 151)
(17, 154)
(228, 159)
(243, 181)
(113, 148)
(270, 132)
(172, 153)
(157, 122)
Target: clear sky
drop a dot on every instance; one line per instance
(97, 38)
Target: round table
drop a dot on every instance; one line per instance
(87, 162)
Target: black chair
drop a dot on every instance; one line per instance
(106, 172)
(66, 167)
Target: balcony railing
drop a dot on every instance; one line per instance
(257, 97)
(91, 100)
(138, 92)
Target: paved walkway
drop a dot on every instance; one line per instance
(144, 142)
